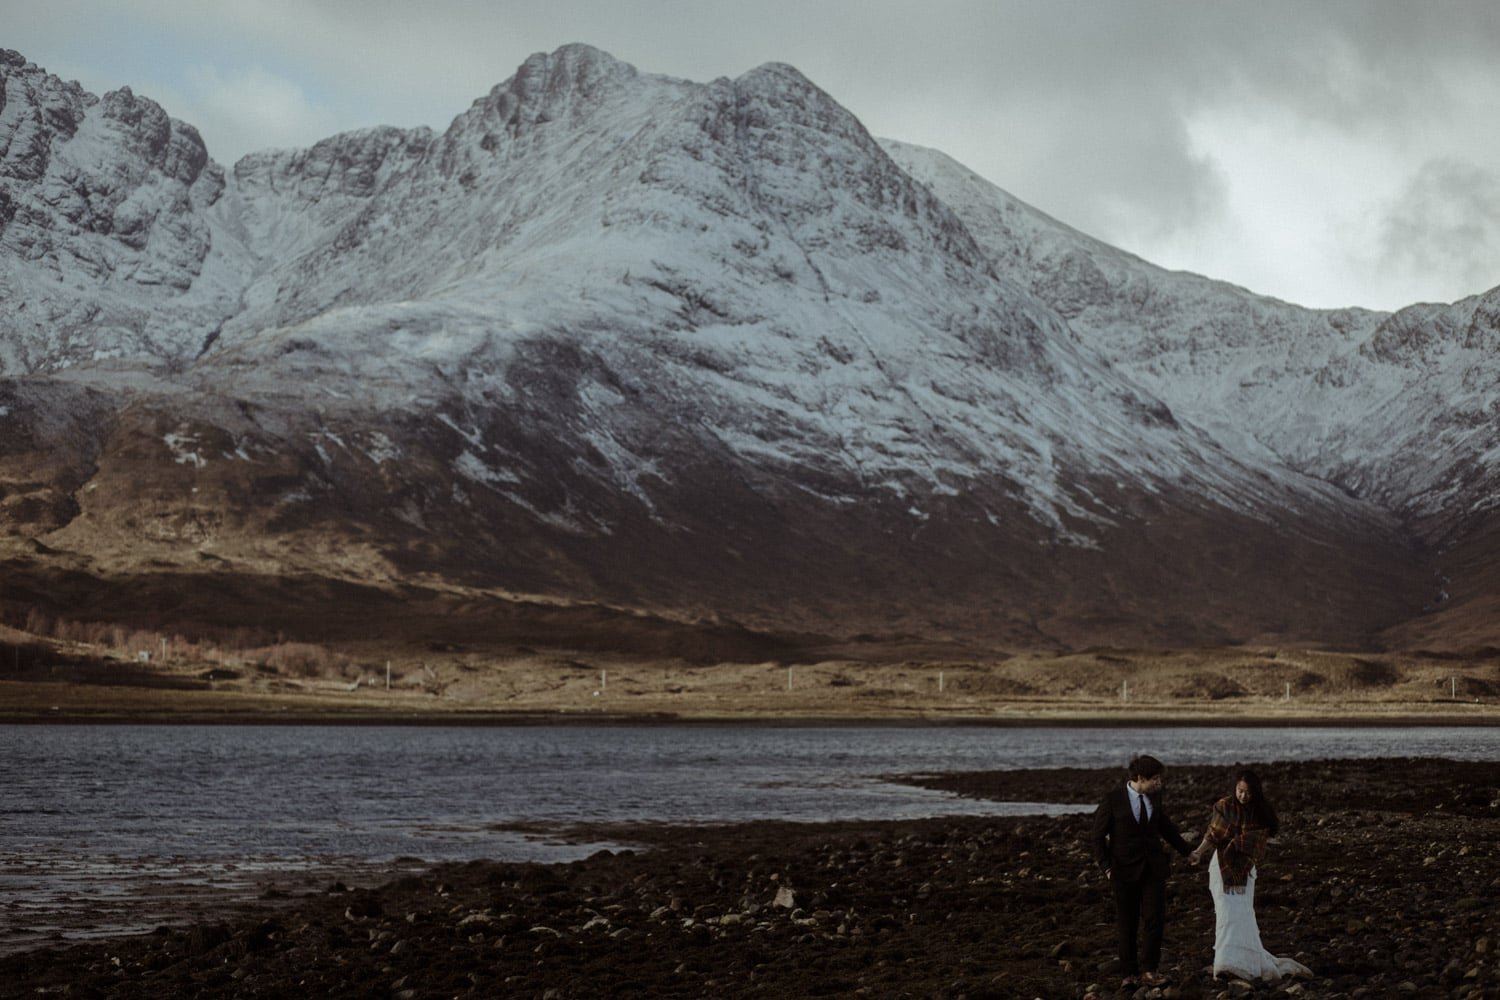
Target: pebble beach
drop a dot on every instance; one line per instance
(1385, 882)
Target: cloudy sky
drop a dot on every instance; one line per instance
(1330, 153)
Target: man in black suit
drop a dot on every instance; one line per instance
(1129, 828)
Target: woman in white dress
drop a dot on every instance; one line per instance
(1238, 830)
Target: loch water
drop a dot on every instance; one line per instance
(92, 813)
(453, 792)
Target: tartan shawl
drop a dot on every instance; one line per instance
(1241, 840)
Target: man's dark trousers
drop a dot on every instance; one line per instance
(1140, 904)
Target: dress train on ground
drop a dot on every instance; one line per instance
(1237, 947)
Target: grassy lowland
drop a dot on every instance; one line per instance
(53, 668)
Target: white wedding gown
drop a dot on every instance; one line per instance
(1237, 947)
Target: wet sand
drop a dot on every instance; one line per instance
(49, 904)
(1386, 882)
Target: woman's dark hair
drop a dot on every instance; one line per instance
(1260, 806)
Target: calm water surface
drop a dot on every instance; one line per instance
(446, 792)
(89, 811)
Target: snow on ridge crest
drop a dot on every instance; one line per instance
(745, 241)
(1351, 396)
(103, 235)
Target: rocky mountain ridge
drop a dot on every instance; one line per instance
(703, 351)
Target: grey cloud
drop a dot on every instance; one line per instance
(1447, 221)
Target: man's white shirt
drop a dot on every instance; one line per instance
(1135, 801)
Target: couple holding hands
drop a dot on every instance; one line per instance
(1130, 828)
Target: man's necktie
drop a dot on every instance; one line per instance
(1144, 818)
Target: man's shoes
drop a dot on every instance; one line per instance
(1154, 979)
(1129, 983)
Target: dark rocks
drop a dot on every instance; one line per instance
(202, 939)
(922, 909)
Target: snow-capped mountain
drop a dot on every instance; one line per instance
(1400, 409)
(699, 350)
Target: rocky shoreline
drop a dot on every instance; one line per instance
(1386, 882)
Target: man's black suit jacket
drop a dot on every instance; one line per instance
(1125, 848)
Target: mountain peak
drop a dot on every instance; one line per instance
(550, 86)
(575, 64)
(785, 88)
(777, 71)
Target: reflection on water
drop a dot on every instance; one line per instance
(100, 812)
